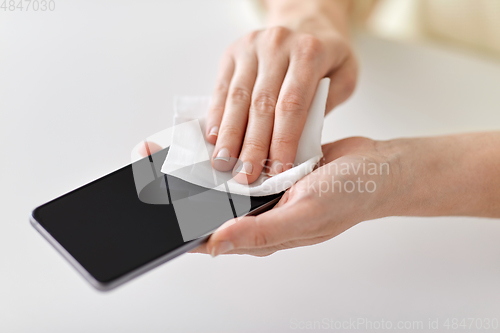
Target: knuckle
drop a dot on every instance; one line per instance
(252, 36)
(240, 95)
(263, 104)
(291, 103)
(281, 141)
(221, 88)
(309, 47)
(230, 132)
(260, 238)
(254, 145)
(215, 110)
(277, 35)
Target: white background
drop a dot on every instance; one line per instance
(80, 86)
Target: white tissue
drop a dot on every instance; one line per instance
(189, 154)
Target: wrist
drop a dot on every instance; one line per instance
(399, 184)
(388, 179)
(444, 176)
(310, 16)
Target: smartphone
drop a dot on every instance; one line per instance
(111, 234)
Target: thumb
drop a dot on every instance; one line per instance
(276, 226)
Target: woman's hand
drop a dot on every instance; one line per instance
(354, 184)
(267, 81)
(362, 179)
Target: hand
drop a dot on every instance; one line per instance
(361, 179)
(353, 185)
(265, 86)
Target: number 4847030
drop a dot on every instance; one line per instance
(27, 5)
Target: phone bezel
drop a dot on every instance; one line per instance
(107, 286)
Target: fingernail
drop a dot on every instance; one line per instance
(276, 168)
(214, 131)
(222, 247)
(246, 168)
(223, 154)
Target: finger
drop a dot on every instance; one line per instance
(148, 148)
(268, 229)
(342, 83)
(234, 119)
(265, 251)
(216, 109)
(283, 200)
(304, 239)
(202, 248)
(260, 252)
(349, 146)
(255, 149)
(294, 101)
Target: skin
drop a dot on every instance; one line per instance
(267, 80)
(263, 90)
(456, 175)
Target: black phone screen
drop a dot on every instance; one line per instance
(107, 228)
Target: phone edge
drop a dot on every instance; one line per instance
(101, 286)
